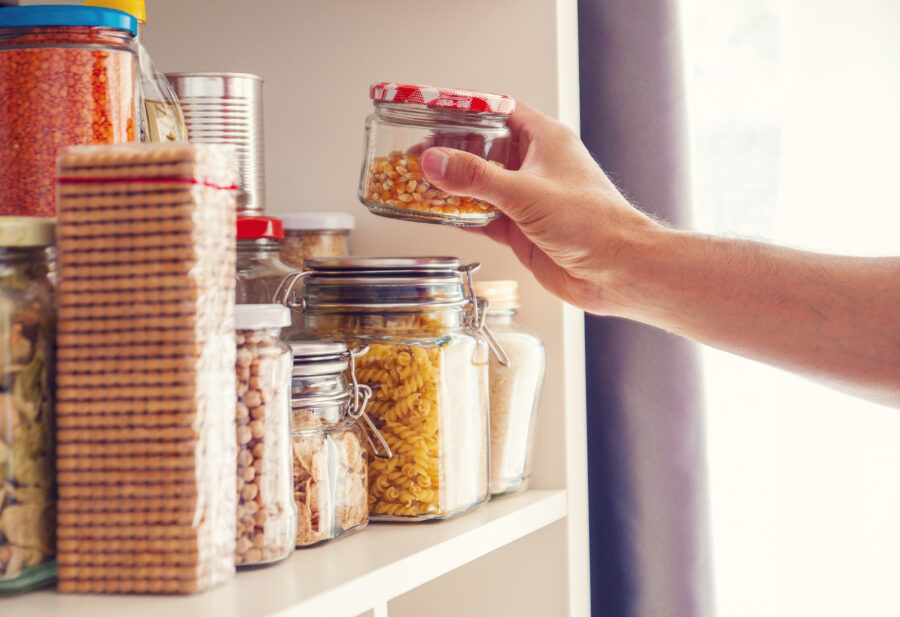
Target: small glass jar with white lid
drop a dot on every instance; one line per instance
(266, 514)
(329, 431)
(406, 120)
(315, 234)
(515, 390)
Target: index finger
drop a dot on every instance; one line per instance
(526, 119)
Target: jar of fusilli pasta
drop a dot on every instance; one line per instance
(427, 367)
(329, 442)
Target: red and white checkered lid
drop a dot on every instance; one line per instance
(448, 98)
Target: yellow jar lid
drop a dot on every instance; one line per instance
(138, 8)
(27, 231)
(502, 295)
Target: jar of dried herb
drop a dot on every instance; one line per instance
(27, 494)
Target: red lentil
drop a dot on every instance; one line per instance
(59, 86)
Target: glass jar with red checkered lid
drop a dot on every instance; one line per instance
(406, 120)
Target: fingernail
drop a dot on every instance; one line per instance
(434, 163)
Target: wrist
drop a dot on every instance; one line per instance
(638, 269)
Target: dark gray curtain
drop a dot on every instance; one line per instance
(648, 513)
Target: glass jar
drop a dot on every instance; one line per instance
(407, 120)
(67, 76)
(515, 389)
(330, 461)
(266, 515)
(427, 369)
(315, 234)
(27, 332)
(260, 270)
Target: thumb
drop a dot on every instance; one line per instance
(461, 173)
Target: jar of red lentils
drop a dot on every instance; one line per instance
(408, 119)
(67, 76)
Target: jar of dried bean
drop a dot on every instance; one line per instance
(407, 120)
(27, 492)
(67, 76)
(266, 515)
(315, 234)
(329, 442)
(427, 368)
(515, 388)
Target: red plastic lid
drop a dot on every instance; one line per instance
(448, 98)
(256, 227)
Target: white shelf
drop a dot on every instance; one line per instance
(342, 579)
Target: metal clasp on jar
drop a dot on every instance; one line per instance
(358, 409)
(478, 316)
(285, 288)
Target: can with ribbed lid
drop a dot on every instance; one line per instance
(227, 108)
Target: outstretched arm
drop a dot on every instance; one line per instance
(835, 319)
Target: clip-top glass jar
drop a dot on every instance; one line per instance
(266, 514)
(515, 389)
(329, 441)
(315, 234)
(408, 119)
(27, 492)
(427, 368)
(67, 77)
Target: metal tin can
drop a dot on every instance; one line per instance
(227, 108)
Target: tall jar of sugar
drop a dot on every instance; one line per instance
(515, 390)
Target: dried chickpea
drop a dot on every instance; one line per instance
(266, 514)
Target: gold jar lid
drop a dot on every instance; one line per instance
(502, 295)
(27, 231)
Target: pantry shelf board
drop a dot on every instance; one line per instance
(341, 579)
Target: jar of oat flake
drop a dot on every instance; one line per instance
(405, 121)
(329, 431)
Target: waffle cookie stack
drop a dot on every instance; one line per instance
(145, 374)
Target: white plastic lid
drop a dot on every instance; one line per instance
(317, 220)
(258, 316)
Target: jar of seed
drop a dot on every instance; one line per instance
(315, 234)
(408, 119)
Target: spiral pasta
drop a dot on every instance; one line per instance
(436, 430)
(405, 381)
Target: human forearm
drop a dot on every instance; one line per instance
(831, 318)
(834, 319)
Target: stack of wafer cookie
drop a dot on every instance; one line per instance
(145, 373)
